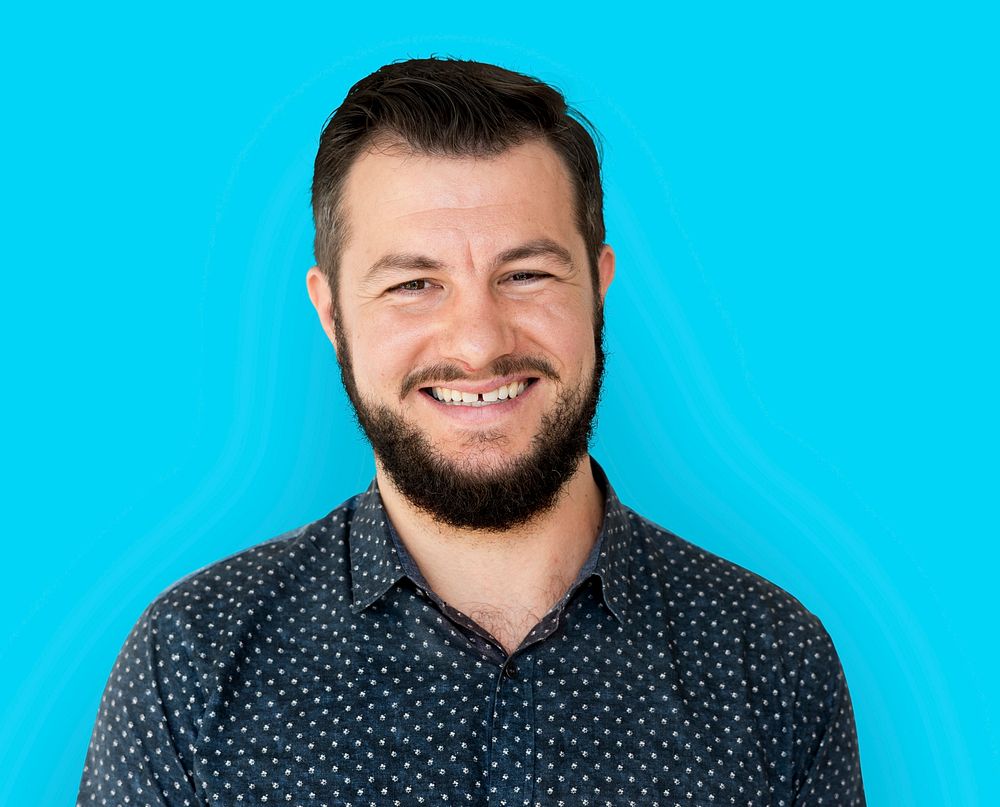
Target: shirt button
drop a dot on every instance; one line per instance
(510, 670)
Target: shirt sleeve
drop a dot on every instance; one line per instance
(828, 763)
(142, 748)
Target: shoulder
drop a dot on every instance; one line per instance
(717, 598)
(206, 613)
(727, 630)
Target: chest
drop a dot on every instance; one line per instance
(591, 716)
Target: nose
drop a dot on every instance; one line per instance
(476, 329)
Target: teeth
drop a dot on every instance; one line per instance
(453, 396)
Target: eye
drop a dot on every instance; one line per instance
(411, 286)
(522, 278)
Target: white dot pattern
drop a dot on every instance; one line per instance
(319, 669)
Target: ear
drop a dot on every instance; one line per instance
(605, 270)
(322, 300)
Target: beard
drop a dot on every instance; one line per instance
(504, 493)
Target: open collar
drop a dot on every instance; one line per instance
(379, 559)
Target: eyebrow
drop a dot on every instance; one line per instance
(409, 261)
(539, 248)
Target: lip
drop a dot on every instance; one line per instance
(479, 414)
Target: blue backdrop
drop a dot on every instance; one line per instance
(802, 330)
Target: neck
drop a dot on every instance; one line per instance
(506, 580)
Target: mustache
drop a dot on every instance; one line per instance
(502, 366)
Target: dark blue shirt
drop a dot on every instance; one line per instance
(318, 668)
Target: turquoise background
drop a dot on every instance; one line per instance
(803, 337)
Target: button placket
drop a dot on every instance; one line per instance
(511, 775)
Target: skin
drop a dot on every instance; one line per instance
(461, 305)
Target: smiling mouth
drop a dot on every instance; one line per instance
(453, 397)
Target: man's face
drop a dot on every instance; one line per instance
(466, 279)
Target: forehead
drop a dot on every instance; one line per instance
(394, 197)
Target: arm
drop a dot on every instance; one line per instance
(142, 747)
(828, 767)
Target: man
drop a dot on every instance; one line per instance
(487, 623)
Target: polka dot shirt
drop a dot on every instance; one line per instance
(318, 668)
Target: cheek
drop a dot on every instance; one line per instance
(563, 330)
(383, 349)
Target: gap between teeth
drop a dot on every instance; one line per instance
(455, 398)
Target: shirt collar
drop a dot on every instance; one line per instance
(612, 566)
(379, 560)
(375, 564)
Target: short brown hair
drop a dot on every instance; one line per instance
(451, 107)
